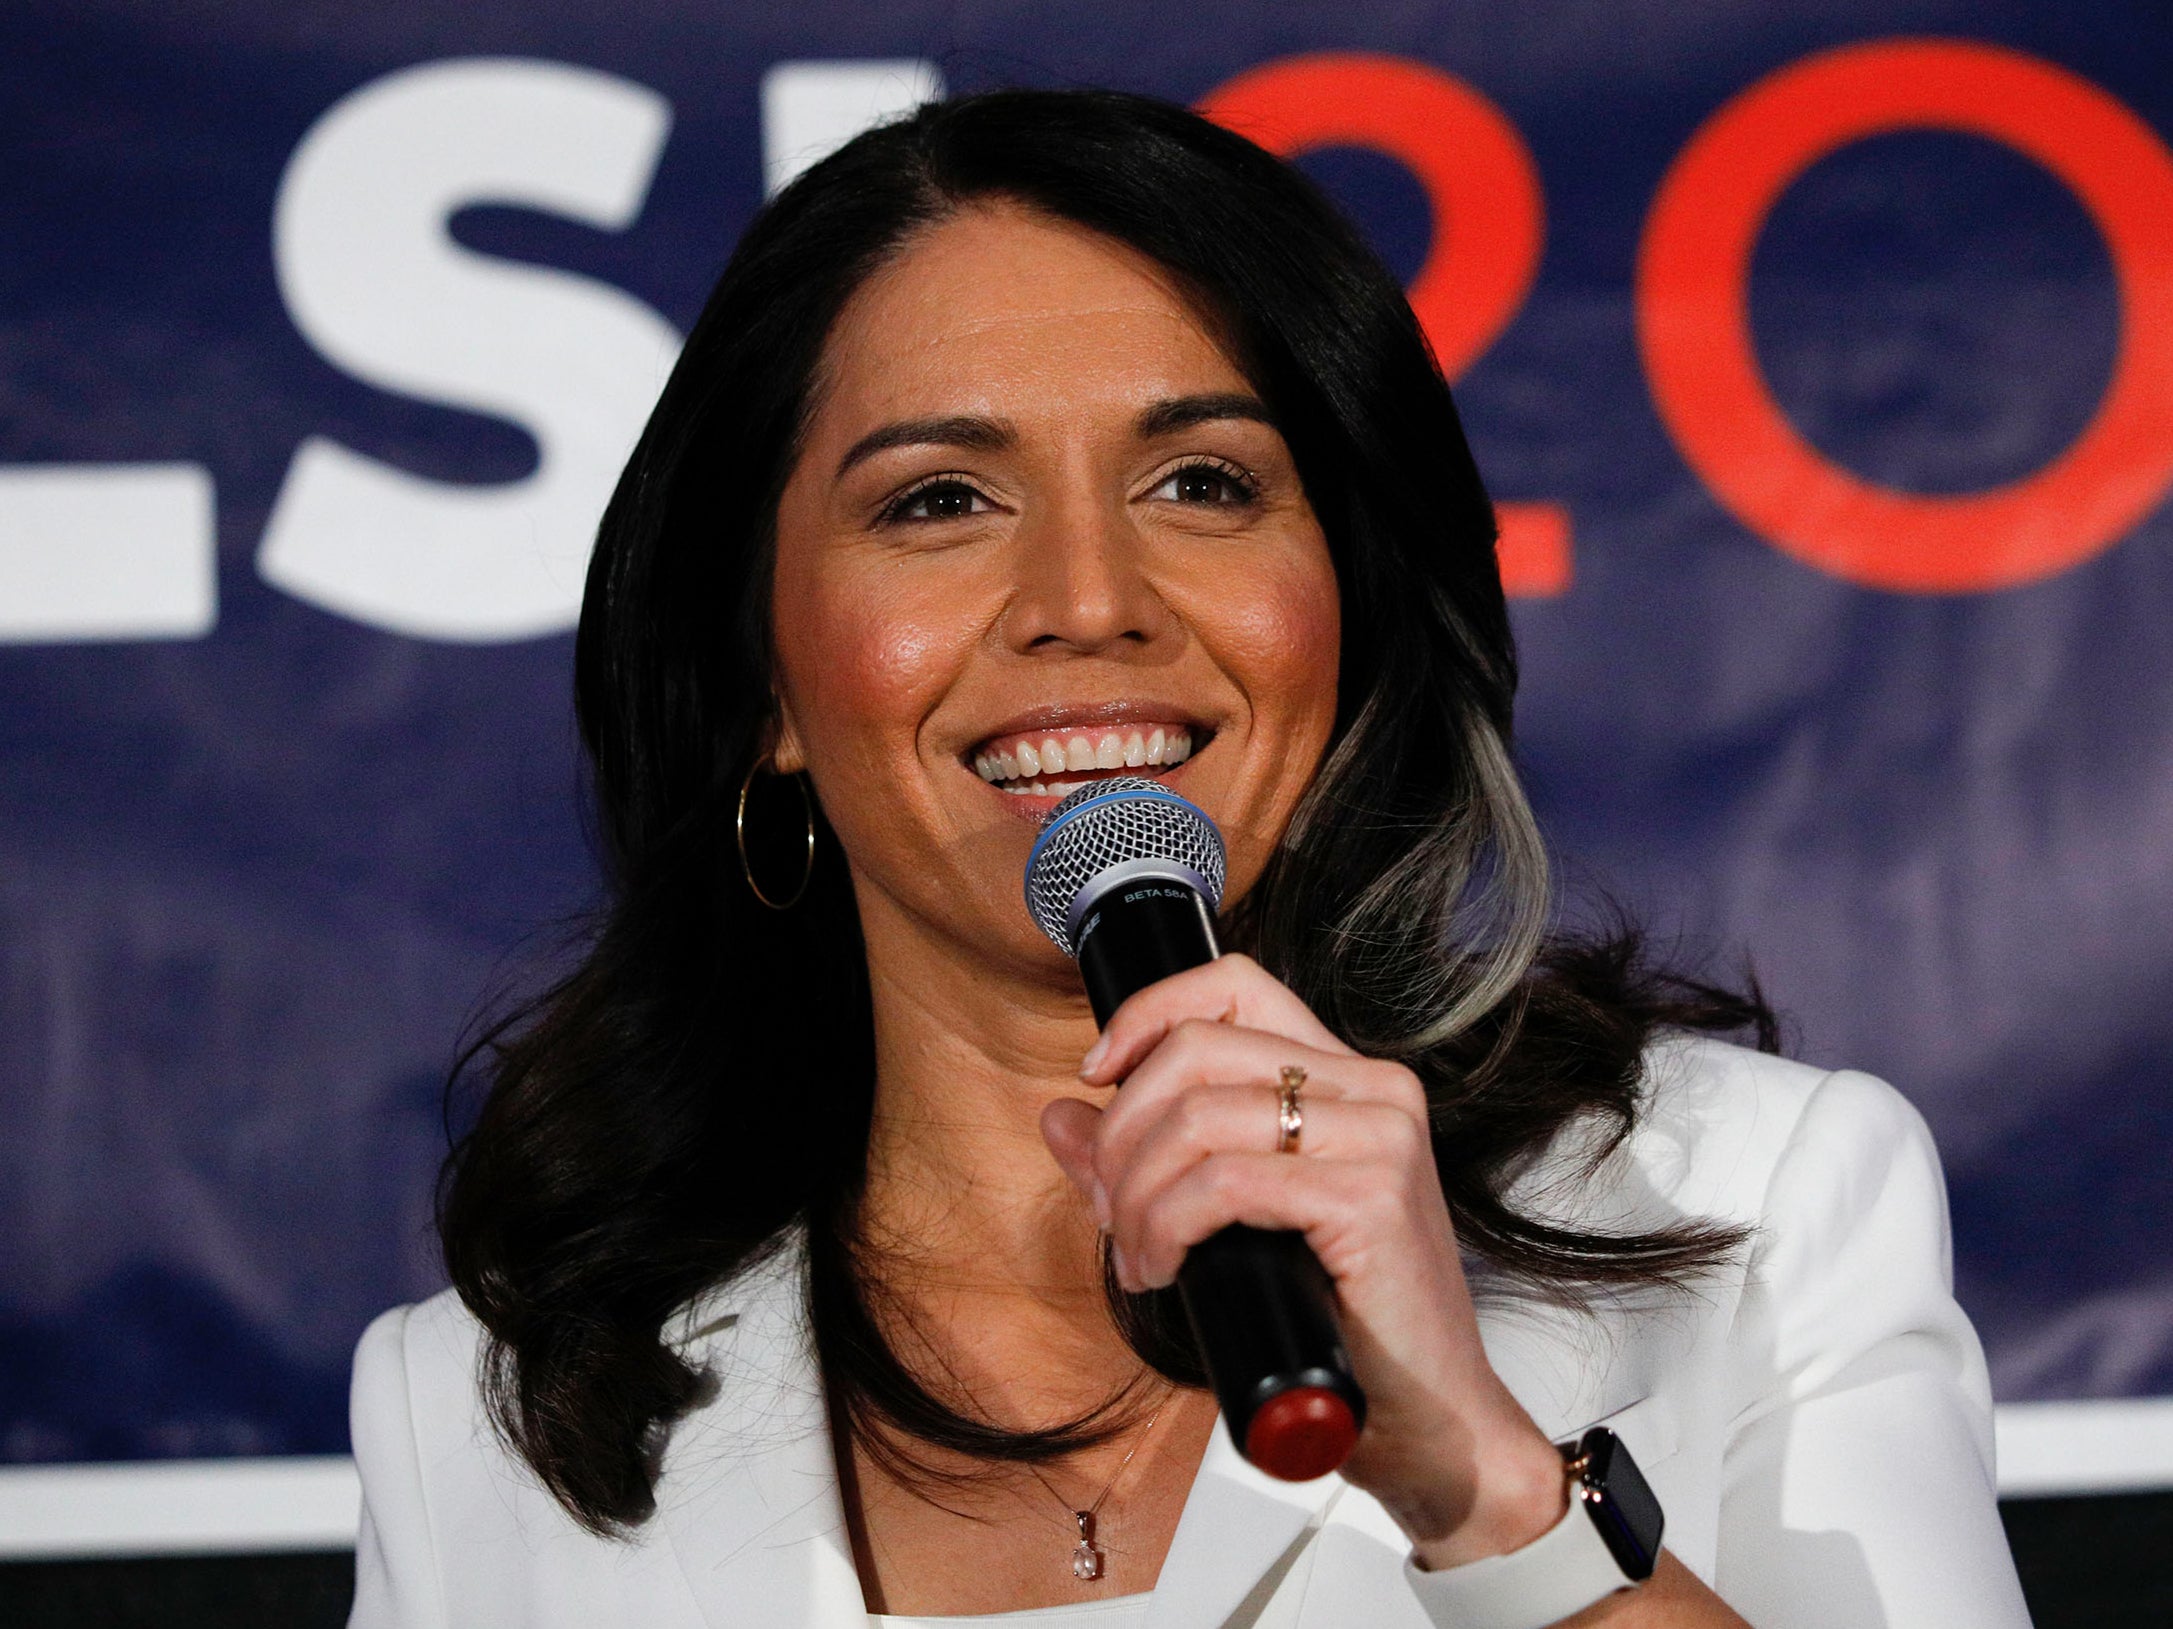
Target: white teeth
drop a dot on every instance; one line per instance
(1022, 766)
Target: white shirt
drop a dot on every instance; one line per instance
(1815, 1419)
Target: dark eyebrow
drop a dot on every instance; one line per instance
(1183, 412)
(986, 435)
(981, 435)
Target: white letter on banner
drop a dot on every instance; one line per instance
(811, 109)
(373, 281)
(106, 551)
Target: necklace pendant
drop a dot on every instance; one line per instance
(1086, 1560)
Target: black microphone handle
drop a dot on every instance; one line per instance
(1261, 1305)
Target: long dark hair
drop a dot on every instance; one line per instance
(651, 1127)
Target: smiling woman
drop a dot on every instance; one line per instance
(808, 1263)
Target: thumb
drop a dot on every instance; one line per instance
(1068, 1127)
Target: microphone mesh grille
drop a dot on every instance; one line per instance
(1131, 818)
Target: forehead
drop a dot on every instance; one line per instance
(1000, 310)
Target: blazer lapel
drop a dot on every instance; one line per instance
(749, 1492)
(1240, 1531)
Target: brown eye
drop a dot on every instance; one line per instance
(939, 500)
(1204, 483)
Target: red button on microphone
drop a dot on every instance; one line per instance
(1301, 1433)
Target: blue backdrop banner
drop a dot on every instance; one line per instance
(1820, 356)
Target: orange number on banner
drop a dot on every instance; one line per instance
(1693, 316)
(1477, 173)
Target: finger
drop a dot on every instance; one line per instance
(1242, 1120)
(1232, 989)
(1069, 1126)
(1274, 1192)
(1198, 1054)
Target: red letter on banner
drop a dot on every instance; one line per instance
(1476, 170)
(1693, 316)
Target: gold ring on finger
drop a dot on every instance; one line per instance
(1290, 1114)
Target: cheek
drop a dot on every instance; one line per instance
(1284, 645)
(861, 662)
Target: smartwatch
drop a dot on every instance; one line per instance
(1608, 1540)
(1606, 1481)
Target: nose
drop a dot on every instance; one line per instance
(1081, 583)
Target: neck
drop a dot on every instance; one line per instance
(989, 1254)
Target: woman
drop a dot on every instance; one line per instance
(808, 1264)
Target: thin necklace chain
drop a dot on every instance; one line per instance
(1087, 1558)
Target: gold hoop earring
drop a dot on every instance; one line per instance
(739, 835)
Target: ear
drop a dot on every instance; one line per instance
(787, 755)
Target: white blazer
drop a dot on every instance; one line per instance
(1815, 1420)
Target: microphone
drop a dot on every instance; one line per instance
(1125, 877)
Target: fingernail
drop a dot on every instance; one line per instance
(1095, 1053)
(1098, 1197)
(1116, 1260)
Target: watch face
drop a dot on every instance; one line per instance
(1621, 1503)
